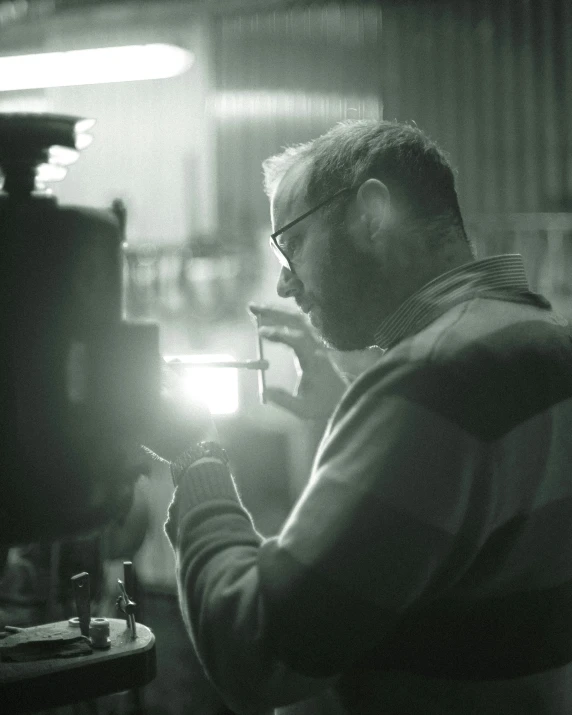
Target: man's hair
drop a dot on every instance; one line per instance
(416, 171)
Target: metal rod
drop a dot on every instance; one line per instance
(128, 607)
(259, 364)
(260, 355)
(82, 598)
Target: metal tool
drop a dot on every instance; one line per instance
(261, 375)
(129, 577)
(126, 605)
(82, 601)
(175, 361)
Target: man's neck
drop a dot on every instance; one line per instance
(424, 266)
(454, 251)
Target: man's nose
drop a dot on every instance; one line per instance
(288, 284)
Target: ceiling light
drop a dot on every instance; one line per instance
(96, 66)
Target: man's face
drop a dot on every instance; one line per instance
(334, 282)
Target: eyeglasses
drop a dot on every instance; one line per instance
(285, 261)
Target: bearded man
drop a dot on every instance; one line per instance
(427, 566)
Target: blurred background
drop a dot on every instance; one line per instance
(490, 80)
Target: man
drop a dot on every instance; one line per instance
(427, 566)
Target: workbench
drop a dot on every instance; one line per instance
(55, 682)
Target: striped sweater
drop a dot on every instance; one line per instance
(427, 566)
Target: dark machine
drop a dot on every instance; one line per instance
(77, 381)
(78, 387)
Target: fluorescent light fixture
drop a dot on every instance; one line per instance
(286, 105)
(217, 387)
(96, 66)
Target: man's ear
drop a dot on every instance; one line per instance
(374, 206)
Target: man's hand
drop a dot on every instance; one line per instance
(320, 384)
(179, 421)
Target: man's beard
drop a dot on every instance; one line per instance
(346, 305)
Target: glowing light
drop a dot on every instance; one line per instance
(94, 66)
(217, 387)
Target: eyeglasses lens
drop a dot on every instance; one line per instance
(284, 262)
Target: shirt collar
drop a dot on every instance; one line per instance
(496, 273)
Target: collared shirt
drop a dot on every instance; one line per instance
(496, 273)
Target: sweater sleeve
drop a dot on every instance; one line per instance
(216, 551)
(274, 621)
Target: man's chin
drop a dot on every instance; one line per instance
(336, 335)
(315, 321)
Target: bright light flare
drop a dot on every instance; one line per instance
(217, 387)
(95, 66)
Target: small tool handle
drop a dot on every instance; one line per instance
(82, 600)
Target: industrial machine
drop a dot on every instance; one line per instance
(78, 385)
(77, 381)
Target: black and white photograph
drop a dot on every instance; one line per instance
(285, 357)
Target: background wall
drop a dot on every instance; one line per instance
(284, 77)
(489, 80)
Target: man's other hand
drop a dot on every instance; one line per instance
(320, 384)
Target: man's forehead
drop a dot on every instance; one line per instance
(288, 201)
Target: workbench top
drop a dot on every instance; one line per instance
(128, 663)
